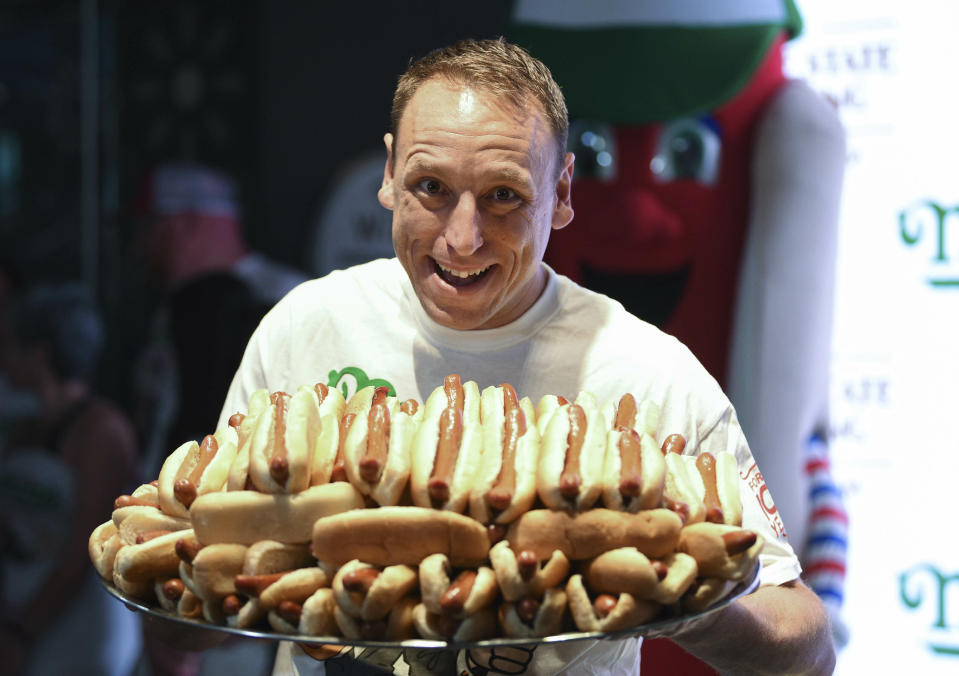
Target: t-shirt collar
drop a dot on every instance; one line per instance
(484, 340)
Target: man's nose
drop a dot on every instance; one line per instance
(464, 231)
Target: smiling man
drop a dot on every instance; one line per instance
(477, 177)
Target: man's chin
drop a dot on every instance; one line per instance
(459, 320)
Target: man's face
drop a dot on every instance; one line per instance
(474, 192)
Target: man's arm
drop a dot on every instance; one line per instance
(776, 630)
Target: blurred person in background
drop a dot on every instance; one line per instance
(216, 290)
(61, 467)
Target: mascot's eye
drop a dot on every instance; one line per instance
(688, 149)
(594, 145)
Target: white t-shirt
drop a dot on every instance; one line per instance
(365, 325)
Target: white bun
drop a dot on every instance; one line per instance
(246, 517)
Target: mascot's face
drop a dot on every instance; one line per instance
(475, 194)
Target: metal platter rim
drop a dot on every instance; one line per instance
(744, 587)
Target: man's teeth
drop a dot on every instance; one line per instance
(462, 274)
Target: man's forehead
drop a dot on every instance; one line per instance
(470, 98)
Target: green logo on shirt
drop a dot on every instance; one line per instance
(360, 380)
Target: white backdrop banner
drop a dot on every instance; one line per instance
(891, 69)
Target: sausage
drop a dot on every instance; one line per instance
(280, 462)
(570, 480)
(677, 506)
(185, 486)
(527, 563)
(173, 588)
(738, 542)
(458, 592)
(501, 494)
(360, 579)
(630, 475)
(253, 585)
(321, 391)
(674, 443)
(377, 443)
(148, 535)
(454, 392)
(626, 412)
(231, 605)
(130, 501)
(187, 549)
(447, 448)
(706, 464)
(527, 609)
(290, 611)
(604, 605)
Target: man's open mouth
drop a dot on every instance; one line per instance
(460, 277)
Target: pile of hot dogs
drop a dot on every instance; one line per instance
(472, 516)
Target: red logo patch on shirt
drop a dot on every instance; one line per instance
(754, 478)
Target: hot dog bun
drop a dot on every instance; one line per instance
(144, 562)
(367, 592)
(585, 535)
(524, 574)
(245, 424)
(270, 556)
(624, 611)
(103, 545)
(213, 570)
(281, 447)
(246, 517)
(471, 591)
(399, 535)
(534, 618)
(398, 624)
(376, 450)
(721, 550)
(634, 472)
(708, 484)
(622, 570)
(448, 446)
(572, 453)
(195, 469)
(681, 571)
(318, 616)
(331, 406)
(505, 484)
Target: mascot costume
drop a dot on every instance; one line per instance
(707, 188)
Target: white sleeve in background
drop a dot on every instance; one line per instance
(780, 352)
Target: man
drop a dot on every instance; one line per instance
(477, 177)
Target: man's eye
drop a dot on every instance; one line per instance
(503, 194)
(430, 186)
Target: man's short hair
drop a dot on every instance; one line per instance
(65, 318)
(496, 66)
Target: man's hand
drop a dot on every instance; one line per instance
(775, 630)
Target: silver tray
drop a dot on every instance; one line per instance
(650, 629)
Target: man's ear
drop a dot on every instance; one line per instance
(563, 209)
(385, 193)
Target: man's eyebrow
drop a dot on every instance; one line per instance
(510, 175)
(420, 164)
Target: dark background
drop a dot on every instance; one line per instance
(281, 94)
